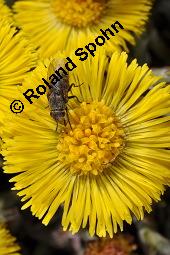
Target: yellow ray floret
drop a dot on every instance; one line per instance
(54, 25)
(110, 160)
(8, 244)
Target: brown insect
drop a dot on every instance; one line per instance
(58, 93)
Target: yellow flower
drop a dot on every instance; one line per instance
(16, 58)
(109, 162)
(5, 11)
(54, 25)
(8, 244)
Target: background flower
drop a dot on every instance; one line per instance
(119, 245)
(110, 163)
(17, 57)
(54, 25)
(5, 11)
(8, 244)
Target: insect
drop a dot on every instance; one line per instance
(58, 94)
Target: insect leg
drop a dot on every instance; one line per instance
(70, 97)
(56, 126)
(68, 118)
(73, 85)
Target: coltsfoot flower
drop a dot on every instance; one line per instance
(54, 25)
(8, 244)
(17, 57)
(109, 162)
(5, 11)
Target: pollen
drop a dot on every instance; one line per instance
(79, 13)
(92, 140)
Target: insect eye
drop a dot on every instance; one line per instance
(58, 93)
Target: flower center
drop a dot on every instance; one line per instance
(93, 141)
(79, 13)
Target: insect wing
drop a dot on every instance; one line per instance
(54, 65)
(51, 70)
(65, 87)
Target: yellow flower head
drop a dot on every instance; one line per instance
(16, 58)
(8, 244)
(109, 161)
(54, 25)
(5, 11)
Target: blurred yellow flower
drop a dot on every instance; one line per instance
(8, 244)
(54, 25)
(111, 163)
(16, 58)
(5, 11)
